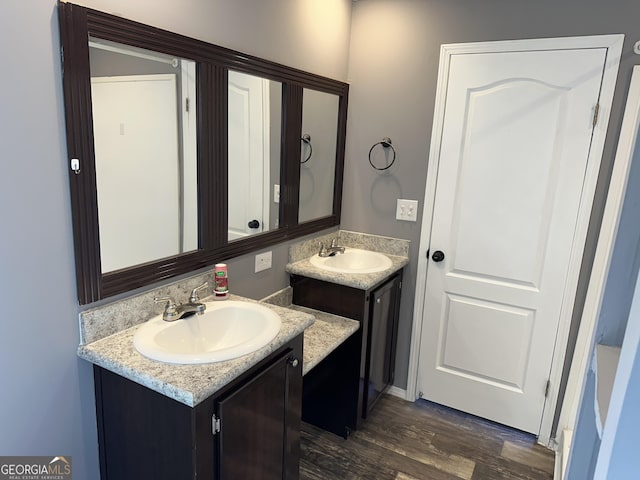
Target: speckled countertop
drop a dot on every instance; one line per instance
(396, 249)
(324, 336)
(362, 281)
(188, 384)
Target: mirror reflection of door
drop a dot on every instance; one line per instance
(318, 154)
(254, 153)
(144, 136)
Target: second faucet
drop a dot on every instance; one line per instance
(332, 250)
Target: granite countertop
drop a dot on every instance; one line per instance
(361, 281)
(324, 336)
(188, 384)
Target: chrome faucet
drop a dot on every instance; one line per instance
(175, 311)
(332, 250)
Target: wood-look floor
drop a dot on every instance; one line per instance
(423, 441)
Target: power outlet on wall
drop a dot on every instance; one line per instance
(263, 261)
(407, 210)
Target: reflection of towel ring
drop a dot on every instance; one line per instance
(306, 139)
(386, 143)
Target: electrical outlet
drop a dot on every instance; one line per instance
(263, 261)
(407, 210)
(276, 193)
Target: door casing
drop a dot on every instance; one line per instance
(628, 143)
(613, 44)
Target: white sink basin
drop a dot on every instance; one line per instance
(227, 329)
(353, 260)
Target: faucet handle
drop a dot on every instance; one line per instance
(323, 250)
(194, 297)
(334, 242)
(170, 306)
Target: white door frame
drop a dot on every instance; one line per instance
(628, 142)
(188, 104)
(614, 45)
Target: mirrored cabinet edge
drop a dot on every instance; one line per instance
(80, 25)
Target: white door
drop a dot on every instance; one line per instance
(515, 141)
(248, 152)
(136, 132)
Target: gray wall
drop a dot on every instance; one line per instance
(275, 125)
(393, 71)
(317, 174)
(625, 263)
(47, 392)
(47, 400)
(624, 463)
(105, 63)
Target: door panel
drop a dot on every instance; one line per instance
(382, 332)
(253, 421)
(514, 148)
(470, 350)
(508, 214)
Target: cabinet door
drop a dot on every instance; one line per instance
(253, 425)
(381, 340)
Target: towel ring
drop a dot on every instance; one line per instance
(306, 139)
(386, 143)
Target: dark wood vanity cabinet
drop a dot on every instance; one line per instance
(249, 429)
(380, 361)
(377, 310)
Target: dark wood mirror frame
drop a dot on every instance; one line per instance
(213, 63)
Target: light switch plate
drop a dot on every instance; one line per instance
(263, 261)
(407, 210)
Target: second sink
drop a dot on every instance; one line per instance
(353, 260)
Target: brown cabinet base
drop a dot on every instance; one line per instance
(143, 434)
(340, 391)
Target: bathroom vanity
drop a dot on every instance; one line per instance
(229, 419)
(341, 391)
(372, 349)
(248, 429)
(251, 425)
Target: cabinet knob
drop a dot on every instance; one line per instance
(293, 361)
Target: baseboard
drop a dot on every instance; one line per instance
(562, 454)
(397, 392)
(557, 468)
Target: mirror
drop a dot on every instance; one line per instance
(163, 132)
(255, 133)
(318, 154)
(145, 153)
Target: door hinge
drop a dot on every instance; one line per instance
(186, 104)
(215, 424)
(596, 111)
(547, 388)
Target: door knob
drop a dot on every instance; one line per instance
(437, 256)
(254, 224)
